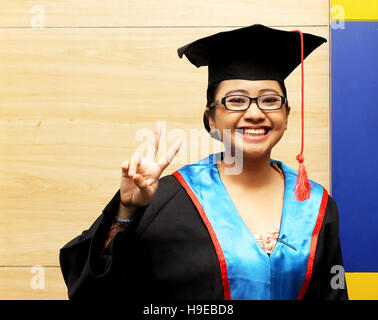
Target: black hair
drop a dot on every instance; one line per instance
(212, 91)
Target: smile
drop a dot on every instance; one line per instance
(254, 134)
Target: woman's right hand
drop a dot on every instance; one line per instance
(140, 176)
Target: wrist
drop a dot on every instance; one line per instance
(126, 212)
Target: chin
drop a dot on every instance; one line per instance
(250, 152)
(256, 154)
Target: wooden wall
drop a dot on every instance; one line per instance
(78, 79)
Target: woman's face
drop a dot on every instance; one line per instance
(261, 130)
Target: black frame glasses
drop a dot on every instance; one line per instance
(257, 99)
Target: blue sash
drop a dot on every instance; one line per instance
(251, 273)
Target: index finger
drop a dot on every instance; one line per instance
(165, 161)
(152, 150)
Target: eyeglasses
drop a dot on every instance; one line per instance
(240, 103)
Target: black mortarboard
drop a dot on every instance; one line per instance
(256, 52)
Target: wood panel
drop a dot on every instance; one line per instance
(17, 283)
(75, 95)
(72, 102)
(119, 13)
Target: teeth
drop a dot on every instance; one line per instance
(254, 131)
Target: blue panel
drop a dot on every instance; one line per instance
(355, 141)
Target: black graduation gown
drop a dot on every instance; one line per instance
(167, 253)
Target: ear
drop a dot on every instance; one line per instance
(287, 112)
(209, 118)
(285, 122)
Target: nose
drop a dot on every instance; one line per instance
(254, 113)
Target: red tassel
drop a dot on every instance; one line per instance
(303, 186)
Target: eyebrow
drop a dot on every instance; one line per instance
(246, 92)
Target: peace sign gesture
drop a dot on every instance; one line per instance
(140, 176)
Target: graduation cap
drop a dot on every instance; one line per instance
(255, 52)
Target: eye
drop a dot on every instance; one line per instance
(270, 99)
(236, 100)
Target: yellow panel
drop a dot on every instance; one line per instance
(354, 10)
(116, 13)
(362, 286)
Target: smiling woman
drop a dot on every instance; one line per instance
(212, 91)
(199, 233)
(257, 121)
(254, 128)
